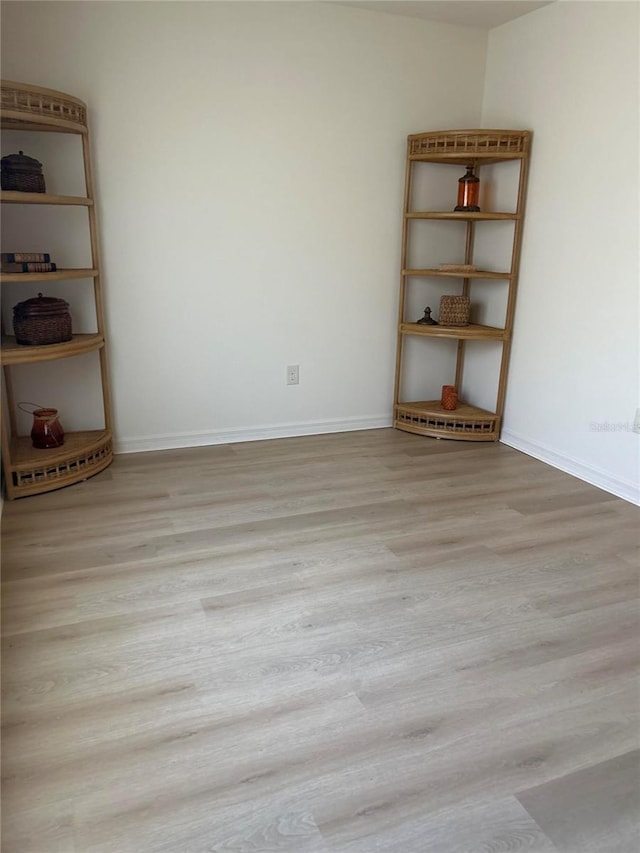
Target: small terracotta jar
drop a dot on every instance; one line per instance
(449, 399)
(46, 431)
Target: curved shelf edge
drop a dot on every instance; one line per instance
(436, 273)
(473, 157)
(462, 217)
(469, 146)
(470, 332)
(15, 120)
(13, 353)
(15, 197)
(58, 275)
(25, 106)
(32, 471)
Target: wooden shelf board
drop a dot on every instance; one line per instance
(461, 217)
(472, 157)
(23, 455)
(59, 275)
(13, 197)
(13, 353)
(436, 273)
(14, 120)
(433, 408)
(470, 332)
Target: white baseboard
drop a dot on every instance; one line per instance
(625, 489)
(178, 440)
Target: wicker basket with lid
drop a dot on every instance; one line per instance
(22, 174)
(42, 320)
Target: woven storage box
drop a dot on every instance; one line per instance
(454, 311)
(42, 320)
(21, 174)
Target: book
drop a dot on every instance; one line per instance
(27, 267)
(25, 257)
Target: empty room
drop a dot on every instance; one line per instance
(320, 426)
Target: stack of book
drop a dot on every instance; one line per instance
(12, 262)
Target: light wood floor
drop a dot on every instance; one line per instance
(335, 644)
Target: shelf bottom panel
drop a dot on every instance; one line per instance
(466, 423)
(32, 471)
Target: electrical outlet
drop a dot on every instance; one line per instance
(293, 374)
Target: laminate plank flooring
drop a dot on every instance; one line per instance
(348, 643)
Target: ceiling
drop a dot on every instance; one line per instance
(483, 14)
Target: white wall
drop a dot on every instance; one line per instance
(570, 72)
(250, 161)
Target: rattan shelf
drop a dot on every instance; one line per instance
(460, 217)
(28, 471)
(82, 455)
(471, 332)
(13, 197)
(437, 273)
(58, 275)
(460, 148)
(27, 107)
(465, 147)
(466, 423)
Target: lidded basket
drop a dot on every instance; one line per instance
(21, 174)
(42, 320)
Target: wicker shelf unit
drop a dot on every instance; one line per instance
(460, 148)
(29, 471)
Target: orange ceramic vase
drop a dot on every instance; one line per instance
(449, 399)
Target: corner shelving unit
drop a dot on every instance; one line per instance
(30, 471)
(460, 148)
